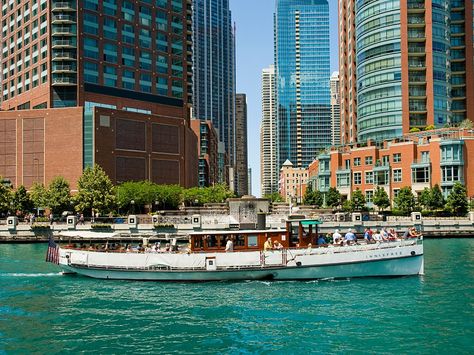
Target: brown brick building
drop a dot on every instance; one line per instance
(208, 143)
(97, 82)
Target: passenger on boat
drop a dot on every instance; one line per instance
(384, 234)
(377, 236)
(229, 247)
(277, 245)
(321, 240)
(350, 237)
(368, 235)
(392, 235)
(414, 233)
(336, 237)
(268, 245)
(309, 249)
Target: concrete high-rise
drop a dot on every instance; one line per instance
(414, 65)
(269, 168)
(347, 71)
(241, 154)
(97, 82)
(214, 70)
(302, 76)
(335, 109)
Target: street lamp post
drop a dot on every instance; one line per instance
(132, 202)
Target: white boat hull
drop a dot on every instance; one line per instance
(391, 259)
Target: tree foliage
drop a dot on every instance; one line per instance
(168, 196)
(5, 198)
(357, 200)
(313, 197)
(198, 196)
(457, 200)
(431, 198)
(466, 124)
(381, 199)
(58, 195)
(21, 200)
(274, 197)
(39, 195)
(405, 201)
(95, 191)
(333, 197)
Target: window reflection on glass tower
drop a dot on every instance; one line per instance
(214, 70)
(303, 72)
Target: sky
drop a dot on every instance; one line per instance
(254, 51)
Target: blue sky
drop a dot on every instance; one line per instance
(254, 51)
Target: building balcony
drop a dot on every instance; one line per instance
(63, 18)
(420, 163)
(64, 68)
(63, 31)
(63, 6)
(64, 81)
(63, 43)
(64, 56)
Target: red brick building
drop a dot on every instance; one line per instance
(92, 82)
(292, 184)
(417, 160)
(207, 143)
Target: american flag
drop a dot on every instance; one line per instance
(52, 255)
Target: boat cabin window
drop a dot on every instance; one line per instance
(211, 241)
(239, 240)
(252, 241)
(198, 242)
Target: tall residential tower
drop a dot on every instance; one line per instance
(96, 82)
(414, 65)
(302, 76)
(335, 109)
(241, 166)
(269, 168)
(214, 70)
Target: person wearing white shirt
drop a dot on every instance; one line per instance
(336, 237)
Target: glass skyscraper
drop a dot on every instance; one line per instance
(214, 69)
(302, 72)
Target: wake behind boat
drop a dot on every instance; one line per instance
(279, 254)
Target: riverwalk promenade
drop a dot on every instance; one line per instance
(176, 224)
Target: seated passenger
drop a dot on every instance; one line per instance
(377, 237)
(277, 245)
(309, 249)
(392, 235)
(368, 235)
(414, 233)
(321, 240)
(350, 237)
(268, 244)
(229, 247)
(336, 237)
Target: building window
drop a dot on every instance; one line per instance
(343, 180)
(397, 158)
(91, 48)
(396, 192)
(425, 157)
(348, 163)
(368, 160)
(356, 161)
(91, 72)
(381, 177)
(369, 177)
(357, 178)
(420, 175)
(369, 196)
(385, 160)
(397, 175)
(451, 173)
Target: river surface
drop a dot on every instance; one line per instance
(44, 312)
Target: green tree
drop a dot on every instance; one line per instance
(95, 191)
(5, 198)
(425, 198)
(274, 197)
(357, 200)
(405, 201)
(59, 195)
(347, 206)
(414, 129)
(168, 196)
(219, 193)
(21, 200)
(39, 195)
(134, 195)
(381, 199)
(195, 196)
(436, 198)
(313, 197)
(333, 197)
(457, 200)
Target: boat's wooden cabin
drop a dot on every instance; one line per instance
(298, 234)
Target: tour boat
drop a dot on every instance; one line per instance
(205, 258)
